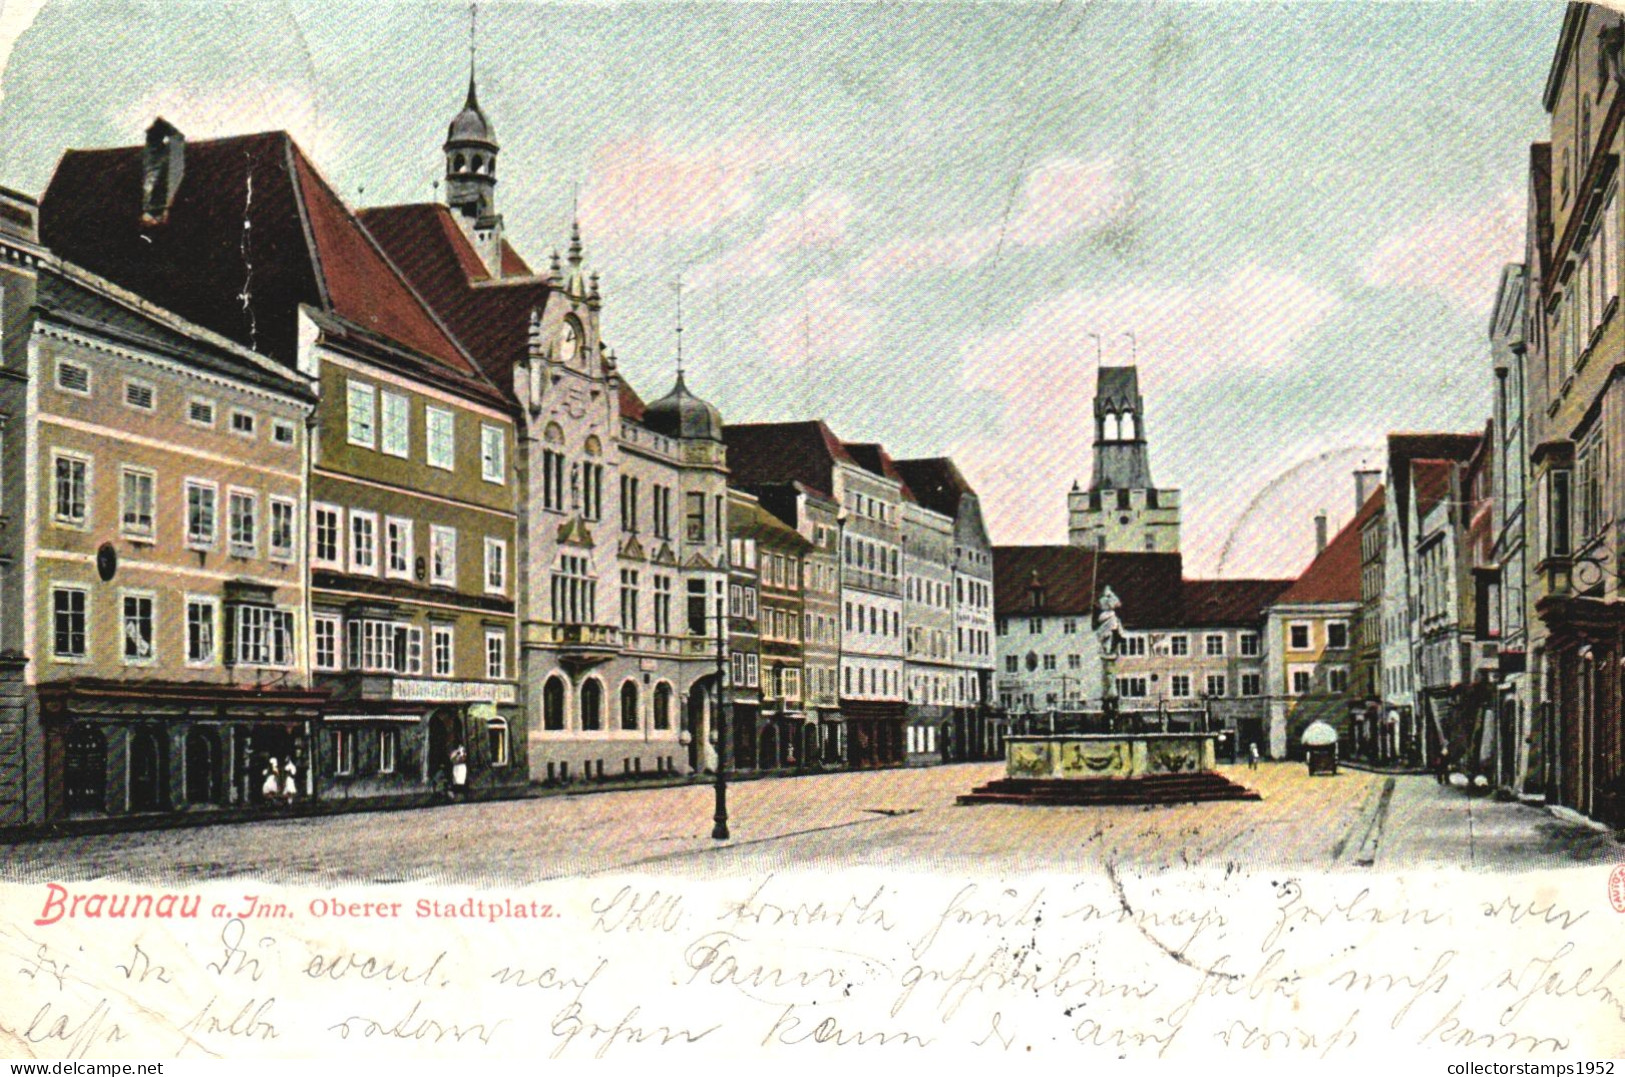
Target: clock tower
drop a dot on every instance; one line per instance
(1122, 511)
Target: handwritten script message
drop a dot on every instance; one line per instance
(1112, 964)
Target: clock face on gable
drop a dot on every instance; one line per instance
(570, 341)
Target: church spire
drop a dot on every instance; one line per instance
(471, 146)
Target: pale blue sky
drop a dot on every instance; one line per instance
(909, 219)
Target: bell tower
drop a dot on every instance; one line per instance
(471, 171)
(1122, 511)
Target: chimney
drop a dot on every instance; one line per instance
(163, 164)
(1365, 484)
(1320, 532)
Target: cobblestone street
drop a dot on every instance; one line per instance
(902, 817)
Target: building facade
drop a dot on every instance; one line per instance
(1122, 510)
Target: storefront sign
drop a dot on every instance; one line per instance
(452, 692)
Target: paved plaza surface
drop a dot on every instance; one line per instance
(905, 818)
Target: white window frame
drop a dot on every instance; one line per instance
(492, 435)
(391, 442)
(212, 604)
(1179, 686)
(140, 384)
(1257, 685)
(253, 423)
(1292, 671)
(499, 637)
(90, 377)
(402, 526)
(212, 540)
(389, 742)
(496, 556)
(442, 537)
(1347, 641)
(235, 548)
(84, 592)
(1223, 683)
(437, 634)
(370, 567)
(355, 391)
(341, 539)
(344, 746)
(281, 426)
(125, 657)
(214, 411)
(82, 523)
(1207, 645)
(290, 551)
(336, 623)
(137, 533)
(431, 417)
(1248, 645)
(1309, 633)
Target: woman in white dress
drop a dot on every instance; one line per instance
(272, 787)
(290, 781)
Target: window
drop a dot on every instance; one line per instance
(1179, 646)
(329, 526)
(363, 424)
(139, 395)
(1215, 686)
(344, 745)
(441, 639)
(363, 542)
(592, 705)
(73, 378)
(200, 412)
(1049, 661)
(398, 548)
(72, 490)
(1214, 645)
(496, 731)
(242, 507)
(696, 517)
(1556, 506)
(494, 456)
(553, 484)
(1337, 634)
(629, 504)
(242, 422)
(1302, 679)
(282, 529)
(264, 636)
(1298, 636)
(388, 750)
(201, 512)
(1012, 664)
(397, 424)
(1179, 685)
(283, 432)
(592, 491)
(629, 707)
(629, 600)
(202, 614)
(575, 591)
(1134, 646)
(1249, 644)
(496, 566)
(443, 555)
(440, 451)
(753, 671)
(1074, 661)
(139, 645)
(325, 640)
(663, 605)
(1035, 626)
(662, 511)
(662, 706)
(136, 497)
(1132, 687)
(68, 606)
(1252, 684)
(1337, 678)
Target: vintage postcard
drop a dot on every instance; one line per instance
(815, 534)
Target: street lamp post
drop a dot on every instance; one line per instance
(719, 832)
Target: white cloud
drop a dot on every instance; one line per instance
(643, 187)
(819, 223)
(1459, 255)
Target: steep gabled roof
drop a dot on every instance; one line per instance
(936, 482)
(872, 457)
(1334, 574)
(1408, 446)
(253, 232)
(1431, 480)
(764, 453)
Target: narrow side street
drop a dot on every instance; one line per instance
(905, 818)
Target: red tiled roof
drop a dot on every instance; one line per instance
(1431, 480)
(1070, 577)
(936, 482)
(252, 216)
(804, 452)
(1229, 602)
(873, 458)
(1334, 574)
(631, 403)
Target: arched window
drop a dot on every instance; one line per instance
(458, 163)
(479, 162)
(496, 731)
(1110, 430)
(553, 704)
(1128, 427)
(629, 706)
(662, 715)
(592, 705)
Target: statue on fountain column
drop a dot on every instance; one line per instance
(1109, 631)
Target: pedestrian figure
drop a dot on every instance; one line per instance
(290, 780)
(1441, 767)
(459, 771)
(1252, 755)
(271, 787)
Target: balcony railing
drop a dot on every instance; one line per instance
(584, 635)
